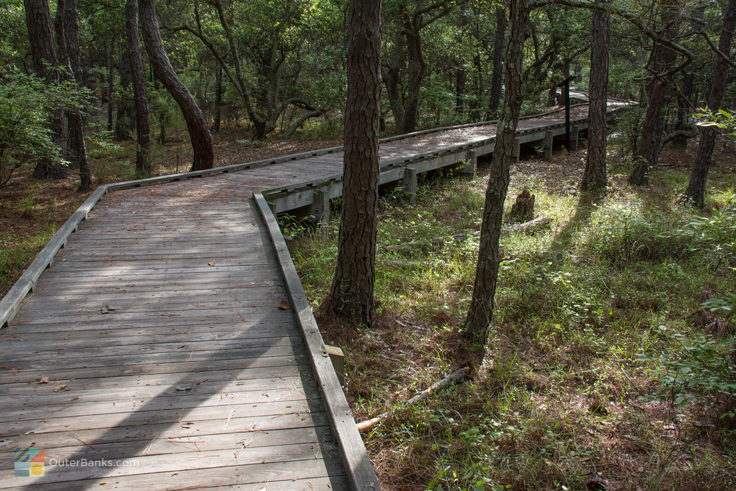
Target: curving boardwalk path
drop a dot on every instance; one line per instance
(170, 341)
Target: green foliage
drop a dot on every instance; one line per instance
(720, 119)
(26, 104)
(702, 369)
(715, 235)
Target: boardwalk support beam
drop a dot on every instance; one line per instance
(320, 207)
(548, 145)
(410, 183)
(471, 166)
(574, 134)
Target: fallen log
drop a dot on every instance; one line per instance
(451, 379)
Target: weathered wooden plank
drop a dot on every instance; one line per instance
(166, 423)
(128, 360)
(65, 340)
(12, 375)
(184, 401)
(259, 475)
(213, 310)
(219, 376)
(244, 343)
(192, 384)
(82, 297)
(167, 444)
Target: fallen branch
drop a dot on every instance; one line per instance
(528, 227)
(451, 379)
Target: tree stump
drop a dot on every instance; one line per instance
(523, 208)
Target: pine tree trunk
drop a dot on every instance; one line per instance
(123, 121)
(218, 100)
(595, 176)
(38, 20)
(497, 61)
(138, 76)
(69, 48)
(695, 192)
(196, 123)
(351, 295)
(480, 314)
(110, 83)
(660, 87)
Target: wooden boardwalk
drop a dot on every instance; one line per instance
(169, 342)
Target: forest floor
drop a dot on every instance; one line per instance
(604, 368)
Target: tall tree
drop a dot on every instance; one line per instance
(138, 76)
(72, 58)
(406, 56)
(351, 295)
(497, 79)
(595, 167)
(695, 192)
(40, 35)
(124, 118)
(480, 314)
(199, 133)
(659, 90)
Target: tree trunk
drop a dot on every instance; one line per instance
(480, 314)
(461, 74)
(695, 192)
(351, 295)
(416, 69)
(38, 20)
(138, 75)
(196, 123)
(110, 83)
(218, 100)
(69, 51)
(663, 59)
(123, 122)
(497, 61)
(595, 176)
(683, 111)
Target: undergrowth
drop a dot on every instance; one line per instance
(611, 359)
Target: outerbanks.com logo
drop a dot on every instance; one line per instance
(29, 462)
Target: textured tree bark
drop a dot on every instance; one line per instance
(695, 192)
(660, 88)
(683, 111)
(38, 20)
(138, 76)
(196, 123)
(110, 83)
(351, 295)
(595, 176)
(124, 119)
(480, 314)
(218, 100)
(72, 59)
(497, 61)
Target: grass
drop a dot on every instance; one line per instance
(596, 319)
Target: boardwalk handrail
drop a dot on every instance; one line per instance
(354, 455)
